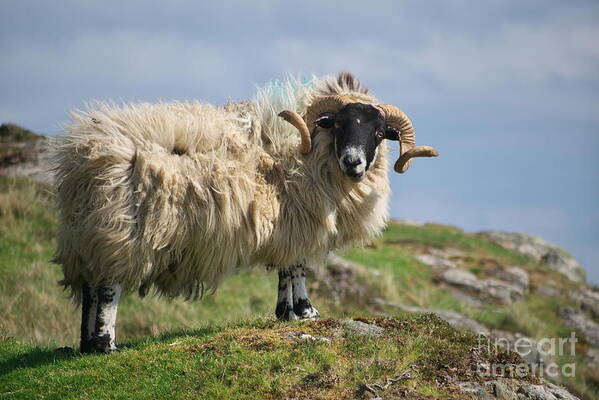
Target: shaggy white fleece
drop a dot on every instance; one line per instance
(177, 196)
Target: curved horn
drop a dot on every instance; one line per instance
(417, 151)
(328, 104)
(399, 121)
(296, 120)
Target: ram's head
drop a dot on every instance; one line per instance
(358, 129)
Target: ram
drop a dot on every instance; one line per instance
(172, 198)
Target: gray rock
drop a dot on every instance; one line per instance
(467, 298)
(462, 278)
(493, 289)
(435, 261)
(579, 321)
(475, 389)
(339, 278)
(559, 392)
(500, 390)
(336, 261)
(565, 264)
(513, 389)
(593, 357)
(535, 392)
(360, 328)
(549, 291)
(588, 300)
(526, 347)
(29, 158)
(553, 256)
(513, 275)
(502, 291)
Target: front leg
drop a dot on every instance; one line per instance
(301, 303)
(284, 310)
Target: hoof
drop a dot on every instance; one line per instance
(290, 316)
(102, 345)
(304, 310)
(285, 313)
(99, 350)
(86, 347)
(110, 350)
(309, 313)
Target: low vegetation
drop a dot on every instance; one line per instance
(416, 355)
(177, 349)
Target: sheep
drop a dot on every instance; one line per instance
(173, 197)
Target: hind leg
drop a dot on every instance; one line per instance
(103, 339)
(89, 306)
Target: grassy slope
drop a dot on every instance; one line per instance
(255, 360)
(36, 313)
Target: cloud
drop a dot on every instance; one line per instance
(508, 91)
(517, 51)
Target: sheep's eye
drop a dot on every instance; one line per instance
(337, 125)
(380, 134)
(324, 122)
(391, 134)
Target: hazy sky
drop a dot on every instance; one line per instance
(508, 91)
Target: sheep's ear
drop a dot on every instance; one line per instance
(325, 122)
(391, 133)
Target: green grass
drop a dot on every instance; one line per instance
(401, 278)
(251, 358)
(440, 236)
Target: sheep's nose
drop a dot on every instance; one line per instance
(351, 162)
(353, 166)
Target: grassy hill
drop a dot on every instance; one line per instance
(229, 345)
(256, 360)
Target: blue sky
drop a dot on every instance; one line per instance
(508, 91)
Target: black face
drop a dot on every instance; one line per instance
(358, 130)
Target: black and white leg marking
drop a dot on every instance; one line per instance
(301, 303)
(293, 301)
(104, 333)
(89, 306)
(284, 308)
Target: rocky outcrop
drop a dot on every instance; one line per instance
(506, 284)
(515, 276)
(359, 328)
(23, 153)
(587, 300)
(541, 251)
(338, 279)
(436, 261)
(513, 389)
(488, 289)
(579, 321)
(526, 347)
(592, 356)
